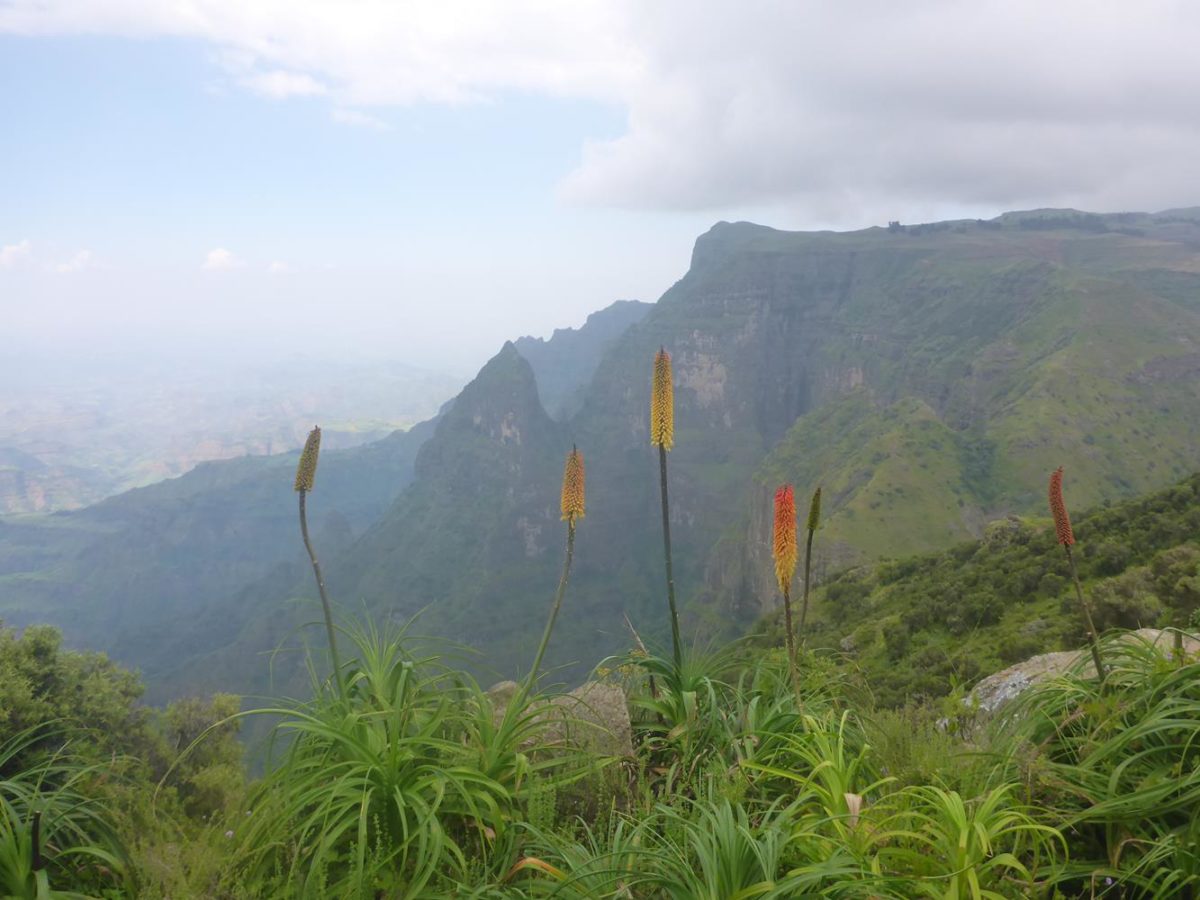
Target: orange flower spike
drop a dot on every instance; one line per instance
(306, 469)
(785, 536)
(662, 403)
(573, 487)
(1058, 509)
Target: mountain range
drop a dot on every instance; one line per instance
(927, 377)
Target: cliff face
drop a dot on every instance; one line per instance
(928, 379)
(565, 364)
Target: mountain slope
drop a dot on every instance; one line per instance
(917, 627)
(565, 364)
(928, 376)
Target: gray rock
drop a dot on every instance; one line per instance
(995, 691)
(594, 716)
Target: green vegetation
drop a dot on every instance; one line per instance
(749, 771)
(917, 627)
(419, 784)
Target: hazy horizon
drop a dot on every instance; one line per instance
(252, 181)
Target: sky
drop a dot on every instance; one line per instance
(210, 179)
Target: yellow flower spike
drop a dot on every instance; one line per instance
(573, 487)
(662, 403)
(306, 469)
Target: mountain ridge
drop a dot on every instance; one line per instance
(927, 375)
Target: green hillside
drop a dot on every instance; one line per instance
(928, 376)
(917, 626)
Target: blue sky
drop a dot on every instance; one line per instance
(145, 156)
(422, 181)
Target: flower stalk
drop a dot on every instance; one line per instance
(306, 474)
(662, 435)
(1066, 537)
(784, 552)
(814, 519)
(573, 497)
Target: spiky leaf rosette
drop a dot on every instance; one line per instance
(1058, 509)
(814, 510)
(573, 487)
(662, 403)
(785, 536)
(306, 469)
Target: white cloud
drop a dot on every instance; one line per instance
(277, 267)
(359, 118)
(221, 259)
(840, 108)
(80, 260)
(12, 255)
(280, 84)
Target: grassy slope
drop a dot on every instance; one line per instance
(917, 626)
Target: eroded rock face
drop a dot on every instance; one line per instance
(594, 716)
(996, 691)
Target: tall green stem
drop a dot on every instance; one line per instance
(558, 596)
(316, 567)
(666, 521)
(791, 638)
(1093, 641)
(807, 581)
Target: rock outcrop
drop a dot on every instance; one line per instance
(996, 691)
(594, 716)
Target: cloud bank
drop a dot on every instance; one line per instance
(13, 255)
(845, 108)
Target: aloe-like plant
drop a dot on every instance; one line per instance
(1117, 764)
(51, 832)
(411, 783)
(951, 848)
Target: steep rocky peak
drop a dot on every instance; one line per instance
(498, 413)
(565, 364)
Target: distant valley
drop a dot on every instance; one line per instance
(71, 438)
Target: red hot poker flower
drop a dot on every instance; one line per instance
(785, 536)
(1058, 509)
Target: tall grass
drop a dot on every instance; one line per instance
(53, 829)
(1117, 766)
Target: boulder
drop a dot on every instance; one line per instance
(594, 716)
(995, 691)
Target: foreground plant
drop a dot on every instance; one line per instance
(662, 435)
(53, 834)
(814, 519)
(572, 510)
(1066, 537)
(306, 474)
(387, 790)
(783, 547)
(1117, 766)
